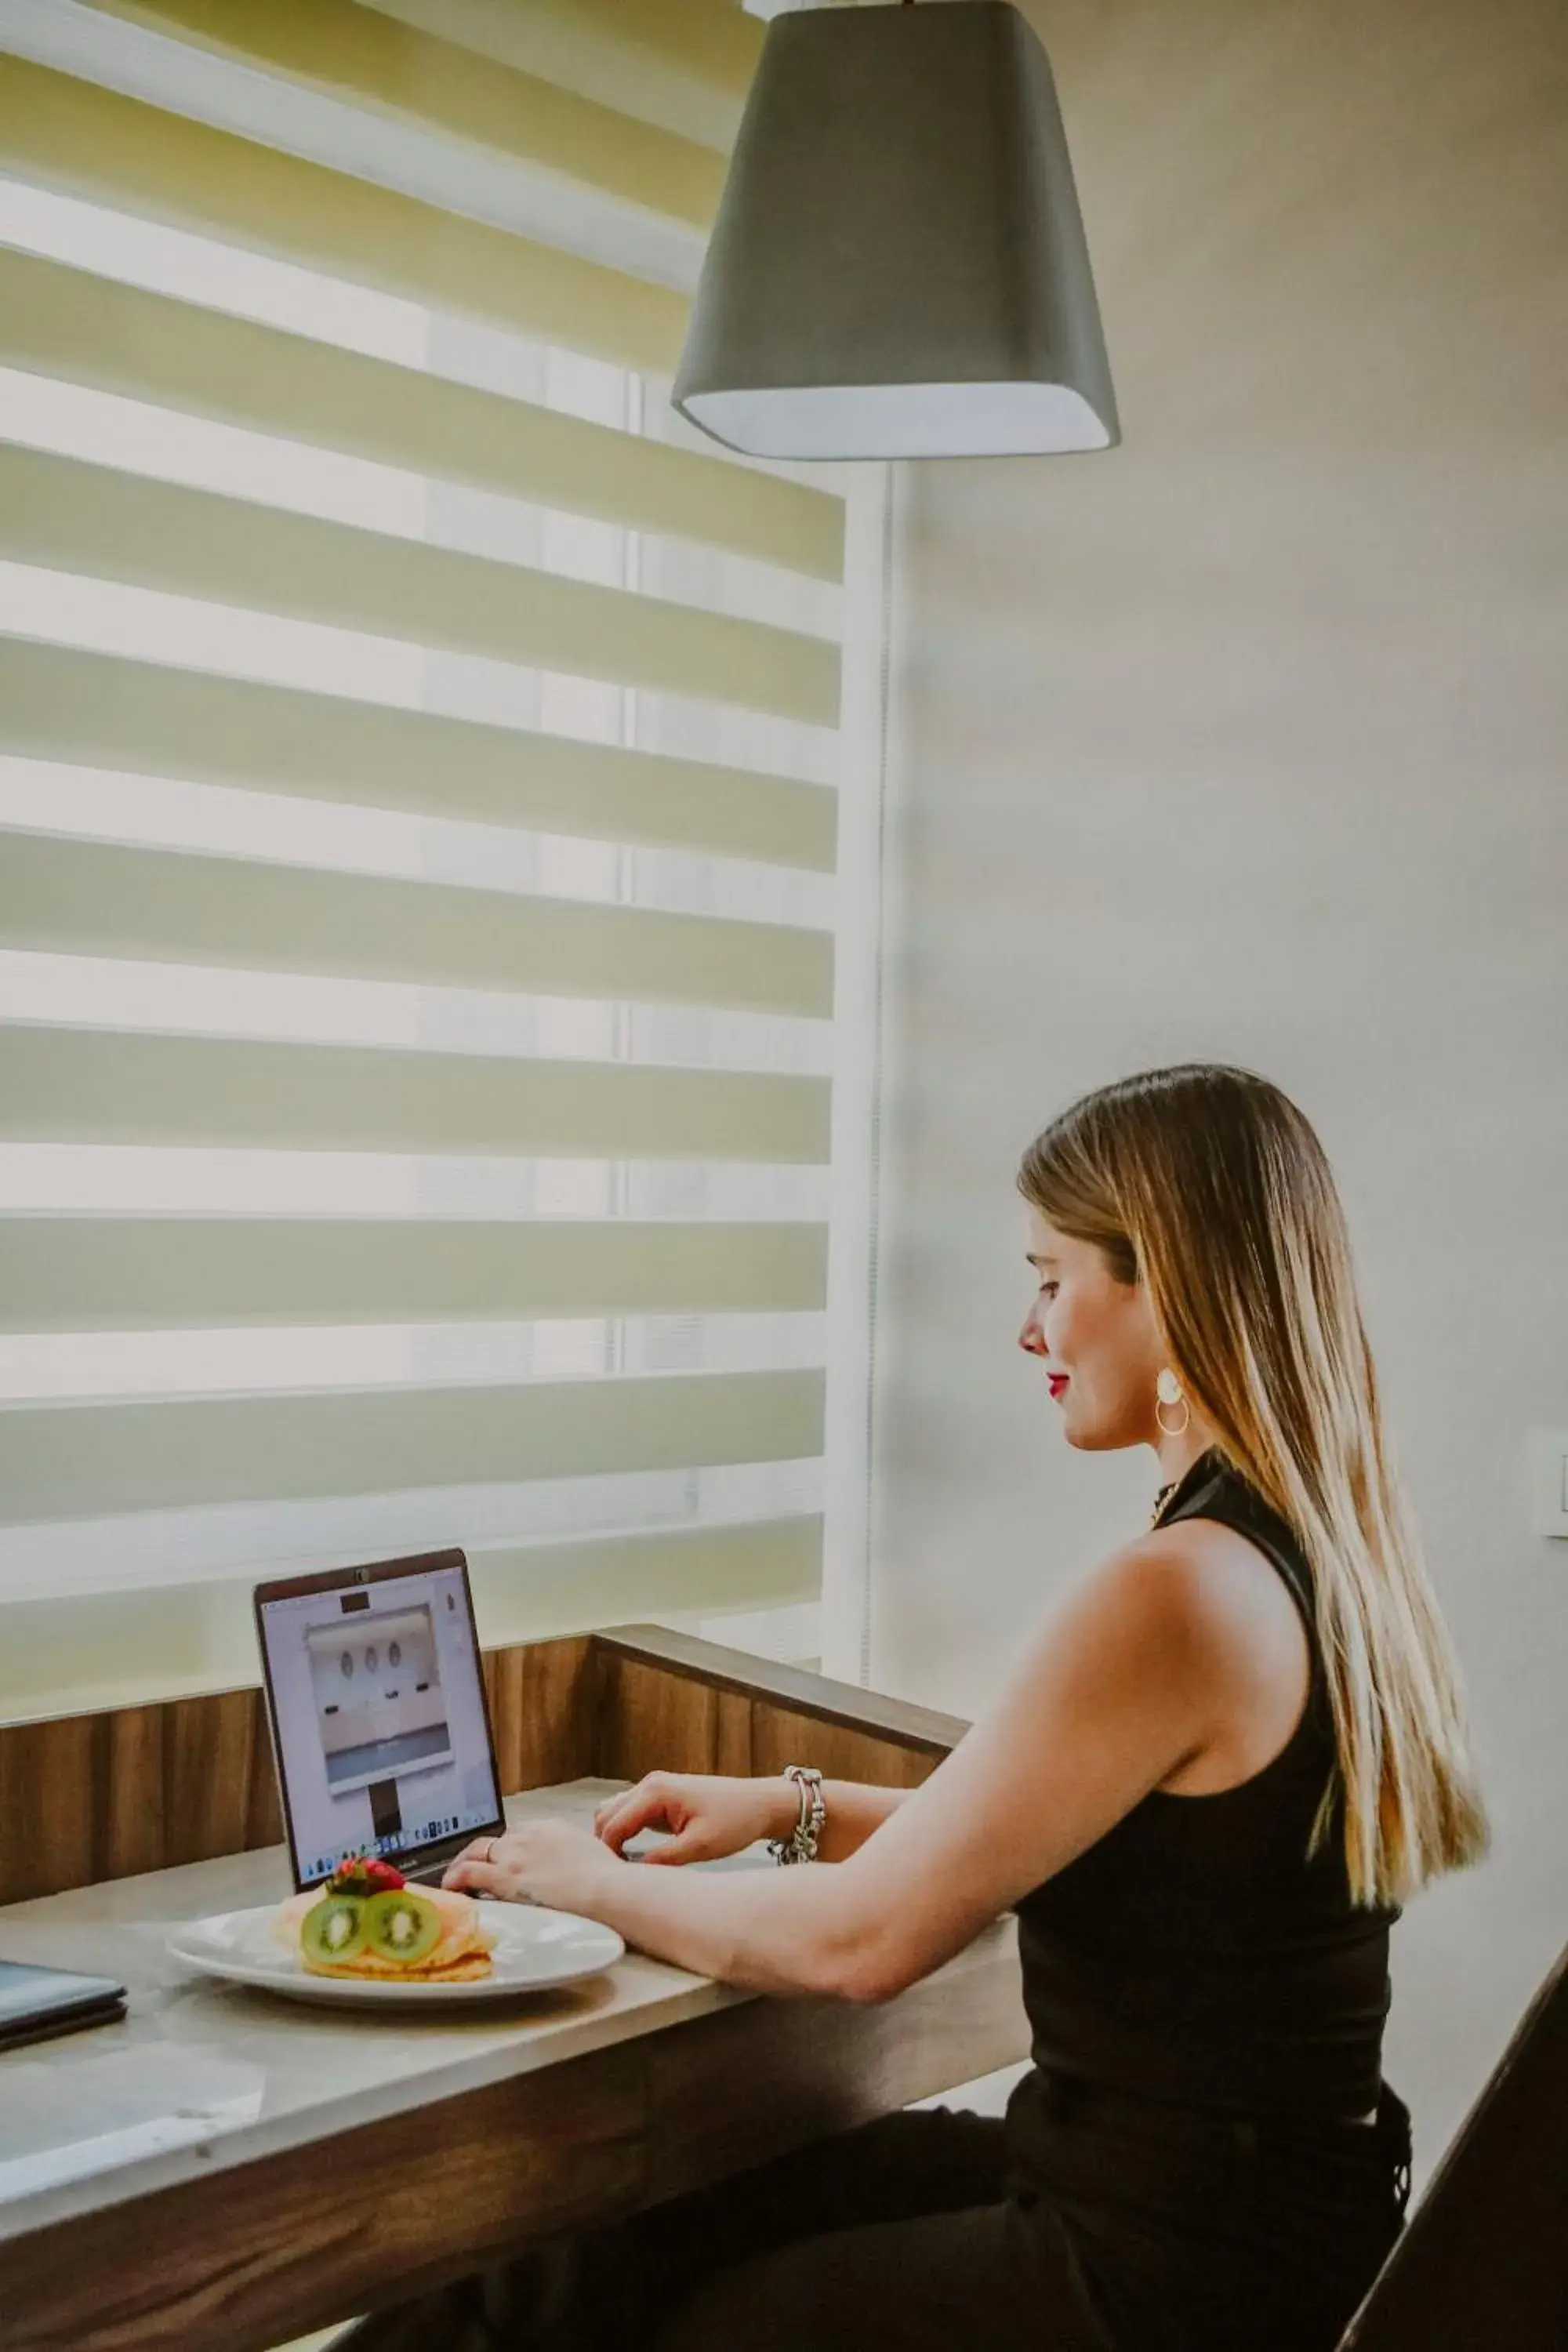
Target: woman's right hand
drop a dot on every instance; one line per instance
(707, 1813)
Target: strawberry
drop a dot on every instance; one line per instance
(363, 1873)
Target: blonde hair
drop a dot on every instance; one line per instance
(1206, 1183)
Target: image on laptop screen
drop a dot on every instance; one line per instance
(379, 1717)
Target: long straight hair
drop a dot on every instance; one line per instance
(1206, 1183)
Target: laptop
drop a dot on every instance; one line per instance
(381, 1729)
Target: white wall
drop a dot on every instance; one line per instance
(1248, 741)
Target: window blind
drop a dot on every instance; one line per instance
(422, 983)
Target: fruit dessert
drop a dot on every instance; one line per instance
(367, 1921)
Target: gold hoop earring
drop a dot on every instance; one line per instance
(1168, 1391)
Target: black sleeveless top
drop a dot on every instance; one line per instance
(1194, 1954)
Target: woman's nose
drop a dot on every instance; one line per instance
(1031, 1339)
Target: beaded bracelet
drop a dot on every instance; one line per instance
(801, 1844)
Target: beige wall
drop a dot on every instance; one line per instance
(1248, 741)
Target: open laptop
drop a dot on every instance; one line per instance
(381, 1730)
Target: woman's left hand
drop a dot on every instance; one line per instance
(552, 1863)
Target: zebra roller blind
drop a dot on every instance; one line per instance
(421, 765)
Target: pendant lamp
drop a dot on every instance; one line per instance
(898, 268)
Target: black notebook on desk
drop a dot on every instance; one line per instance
(36, 2003)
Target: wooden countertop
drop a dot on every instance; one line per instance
(227, 2169)
(202, 2076)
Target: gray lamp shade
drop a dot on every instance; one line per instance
(898, 268)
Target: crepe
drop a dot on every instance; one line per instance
(461, 1957)
(471, 1969)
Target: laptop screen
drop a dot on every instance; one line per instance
(379, 1715)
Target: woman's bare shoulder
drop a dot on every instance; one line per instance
(1217, 1578)
(1242, 1626)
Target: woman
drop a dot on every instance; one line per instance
(1220, 1767)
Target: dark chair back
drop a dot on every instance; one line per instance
(1482, 2266)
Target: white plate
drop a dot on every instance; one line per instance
(534, 1950)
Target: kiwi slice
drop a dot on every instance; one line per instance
(333, 1930)
(402, 1926)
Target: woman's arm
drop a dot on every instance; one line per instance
(708, 1815)
(854, 1809)
(1123, 1685)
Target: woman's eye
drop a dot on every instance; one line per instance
(1047, 1290)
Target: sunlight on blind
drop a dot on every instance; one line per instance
(419, 767)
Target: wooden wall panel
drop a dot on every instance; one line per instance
(816, 1695)
(667, 1703)
(541, 1696)
(108, 1795)
(264, 1815)
(215, 1749)
(91, 1797)
(85, 1797)
(50, 1793)
(782, 1736)
(133, 1785)
(653, 1721)
(732, 1733)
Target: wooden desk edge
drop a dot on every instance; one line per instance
(247, 2257)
